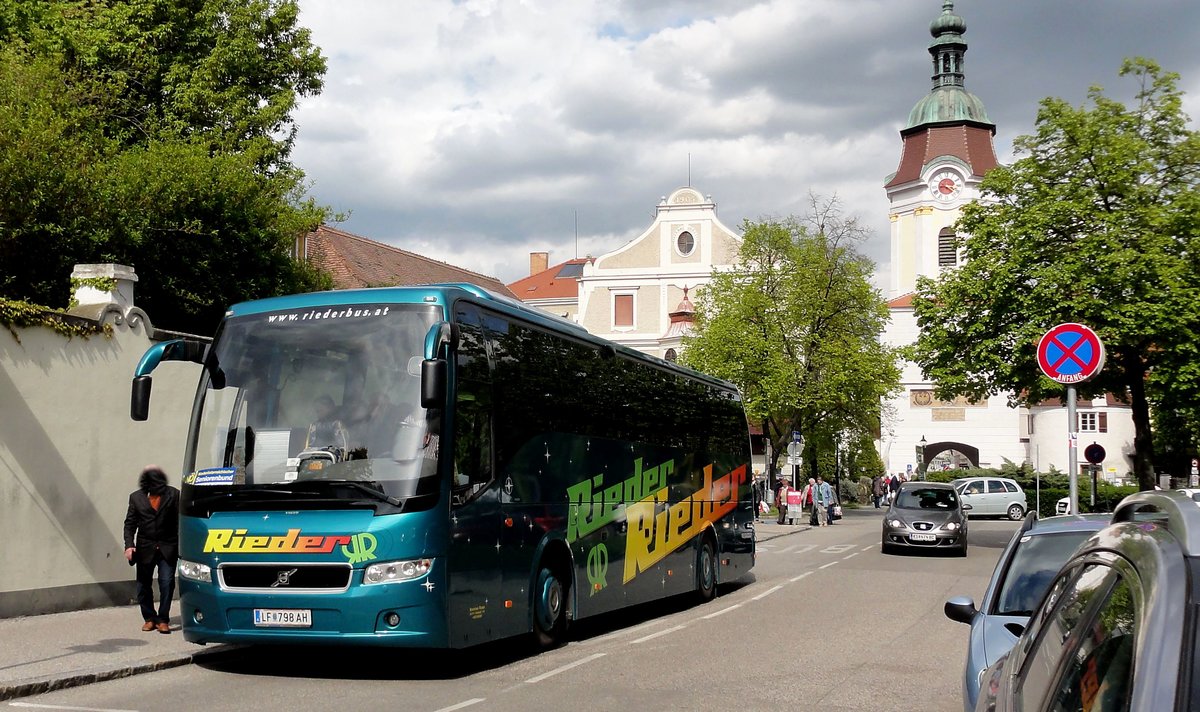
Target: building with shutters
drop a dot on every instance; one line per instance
(946, 150)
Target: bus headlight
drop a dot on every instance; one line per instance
(195, 572)
(393, 571)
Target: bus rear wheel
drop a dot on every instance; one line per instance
(706, 570)
(549, 609)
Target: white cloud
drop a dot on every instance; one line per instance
(474, 131)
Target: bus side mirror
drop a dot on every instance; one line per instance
(433, 383)
(139, 403)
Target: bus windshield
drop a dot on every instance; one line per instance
(314, 405)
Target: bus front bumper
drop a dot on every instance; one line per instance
(402, 614)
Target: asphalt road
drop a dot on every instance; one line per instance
(825, 623)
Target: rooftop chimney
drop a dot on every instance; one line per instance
(538, 262)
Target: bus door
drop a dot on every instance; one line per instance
(474, 547)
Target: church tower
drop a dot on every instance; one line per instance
(947, 150)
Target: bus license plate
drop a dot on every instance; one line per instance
(283, 617)
(922, 537)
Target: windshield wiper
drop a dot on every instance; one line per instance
(369, 491)
(246, 492)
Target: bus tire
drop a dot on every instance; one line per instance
(706, 569)
(549, 609)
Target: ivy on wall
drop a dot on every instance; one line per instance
(16, 314)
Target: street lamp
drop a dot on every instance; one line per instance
(921, 465)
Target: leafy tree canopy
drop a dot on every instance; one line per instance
(796, 324)
(1097, 223)
(154, 133)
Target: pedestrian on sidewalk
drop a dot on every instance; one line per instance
(806, 501)
(152, 544)
(877, 490)
(822, 501)
(781, 500)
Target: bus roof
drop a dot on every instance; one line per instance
(445, 295)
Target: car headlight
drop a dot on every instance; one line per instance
(950, 526)
(195, 572)
(896, 523)
(395, 571)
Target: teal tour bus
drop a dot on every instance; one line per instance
(438, 466)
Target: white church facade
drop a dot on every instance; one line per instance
(947, 149)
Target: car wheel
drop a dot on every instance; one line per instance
(706, 571)
(885, 548)
(550, 610)
(1015, 512)
(962, 550)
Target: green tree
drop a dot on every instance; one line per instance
(155, 133)
(1097, 223)
(796, 326)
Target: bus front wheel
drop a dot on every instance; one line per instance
(549, 609)
(706, 570)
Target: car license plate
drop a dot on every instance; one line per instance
(283, 617)
(922, 537)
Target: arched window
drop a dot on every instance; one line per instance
(671, 355)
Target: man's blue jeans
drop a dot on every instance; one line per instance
(166, 588)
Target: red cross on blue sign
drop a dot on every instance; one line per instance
(1070, 353)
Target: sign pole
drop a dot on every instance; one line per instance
(1069, 354)
(1073, 451)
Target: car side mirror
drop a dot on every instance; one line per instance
(433, 383)
(967, 507)
(961, 609)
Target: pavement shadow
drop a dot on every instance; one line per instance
(108, 646)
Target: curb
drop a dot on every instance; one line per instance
(77, 678)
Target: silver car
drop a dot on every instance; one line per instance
(925, 515)
(993, 497)
(1028, 563)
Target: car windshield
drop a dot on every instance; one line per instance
(1031, 570)
(927, 498)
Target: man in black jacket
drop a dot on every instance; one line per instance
(152, 544)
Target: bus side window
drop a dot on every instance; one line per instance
(473, 410)
(472, 443)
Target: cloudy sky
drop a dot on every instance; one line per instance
(475, 131)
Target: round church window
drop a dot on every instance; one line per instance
(685, 243)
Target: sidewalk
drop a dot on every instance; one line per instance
(43, 653)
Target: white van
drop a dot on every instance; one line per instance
(992, 497)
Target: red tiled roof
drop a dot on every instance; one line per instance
(971, 144)
(356, 262)
(547, 284)
(904, 301)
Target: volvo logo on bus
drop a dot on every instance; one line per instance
(284, 578)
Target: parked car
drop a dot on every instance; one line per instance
(993, 497)
(925, 515)
(1028, 563)
(1118, 627)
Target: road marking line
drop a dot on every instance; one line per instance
(65, 707)
(806, 548)
(797, 578)
(831, 563)
(868, 548)
(786, 549)
(618, 633)
(852, 554)
(766, 593)
(461, 705)
(564, 668)
(652, 636)
(722, 611)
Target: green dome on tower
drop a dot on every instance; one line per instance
(948, 101)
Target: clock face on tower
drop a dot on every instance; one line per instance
(945, 185)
